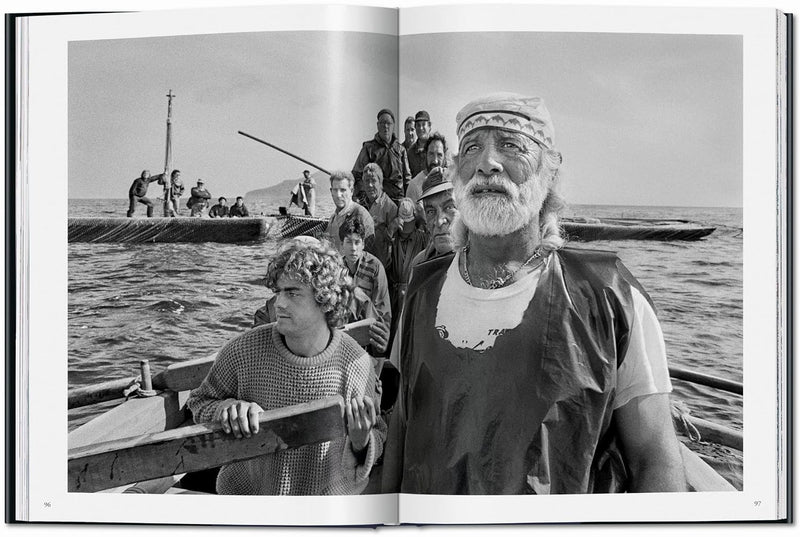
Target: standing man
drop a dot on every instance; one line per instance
(545, 365)
(238, 209)
(382, 210)
(416, 156)
(300, 358)
(220, 210)
(408, 239)
(435, 164)
(309, 186)
(199, 199)
(342, 194)
(389, 154)
(171, 208)
(138, 193)
(410, 133)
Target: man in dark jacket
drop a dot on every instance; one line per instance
(238, 209)
(417, 158)
(138, 193)
(220, 210)
(386, 151)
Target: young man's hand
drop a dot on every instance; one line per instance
(240, 418)
(361, 416)
(379, 336)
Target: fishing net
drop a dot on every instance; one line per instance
(294, 226)
(157, 230)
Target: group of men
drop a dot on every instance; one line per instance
(525, 366)
(198, 202)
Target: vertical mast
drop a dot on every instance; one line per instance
(169, 210)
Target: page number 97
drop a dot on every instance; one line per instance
(757, 503)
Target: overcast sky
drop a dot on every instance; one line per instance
(640, 119)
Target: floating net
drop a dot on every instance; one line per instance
(294, 226)
(157, 230)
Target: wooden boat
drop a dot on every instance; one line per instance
(618, 229)
(157, 230)
(147, 444)
(579, 229)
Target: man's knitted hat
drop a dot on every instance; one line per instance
(386, 111)
(511, 112)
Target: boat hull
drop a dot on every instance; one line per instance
(161, 230)
(588, 230)
(635, 229)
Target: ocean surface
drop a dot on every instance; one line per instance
(175, 302)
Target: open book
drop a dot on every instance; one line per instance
(664, 114)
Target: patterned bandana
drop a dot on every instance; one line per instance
(511, 112)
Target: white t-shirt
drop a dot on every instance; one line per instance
(472, 318)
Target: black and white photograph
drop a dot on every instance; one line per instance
(466, 266)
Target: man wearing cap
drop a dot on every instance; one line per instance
(416, 155)
(388, 153)
(436, 164)
(526, 367)
(410, 133)
(199, 199)
(408, 239)
(440, 212)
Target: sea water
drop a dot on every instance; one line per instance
(174, 302)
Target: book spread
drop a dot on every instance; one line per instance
(434, 265)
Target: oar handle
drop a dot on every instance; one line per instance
(706, 380)
(275, 147)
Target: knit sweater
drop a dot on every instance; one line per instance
(258, 367)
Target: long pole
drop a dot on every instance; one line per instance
(284, 151)
(168, 208)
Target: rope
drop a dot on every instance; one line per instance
(135, 390)
(680, 415)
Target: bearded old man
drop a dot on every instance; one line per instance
(526, 367)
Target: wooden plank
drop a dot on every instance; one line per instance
(359, 331)
(134, 417)
(700, 476)
(718, 434)
(186, 375)
(706, 380)
(199, 447)
(98, 393)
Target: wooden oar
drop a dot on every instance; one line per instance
(706, 380)
(273, 146)
(200, 447)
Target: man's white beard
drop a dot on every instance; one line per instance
(498, 215)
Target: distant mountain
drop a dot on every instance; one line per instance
(284, 188)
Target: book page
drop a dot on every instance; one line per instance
(659, 114)
(309, 80)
